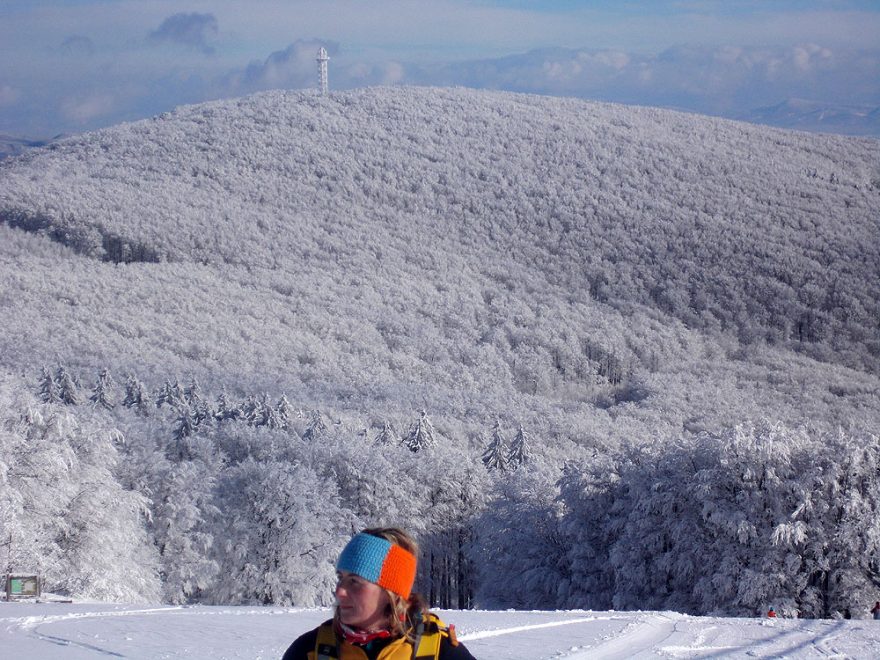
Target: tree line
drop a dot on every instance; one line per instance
(185, 498)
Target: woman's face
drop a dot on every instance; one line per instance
(362, 604)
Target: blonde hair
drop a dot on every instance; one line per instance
(402, 613)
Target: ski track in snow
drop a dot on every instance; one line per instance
(638, 638)
(482, 634)
(196, 633)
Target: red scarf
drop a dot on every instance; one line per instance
(361, 637)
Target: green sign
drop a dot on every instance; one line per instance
(22, 586)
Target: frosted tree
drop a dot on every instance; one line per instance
(455, 499)
(595, 500)
(238, 441)
(747, 483)
(136, 396)
(35, 483)
(252, 411)
(273, 419)
(182, 521)
(656, 541)
(165, 395)
(225, 410)
(142, 459)
(316, 429)
(171, 394)
(520, 453)
(68, 389)
(387, 436)
(421, 434)
(204, 415)
(519, 551)
(65, 512)
(48, 389)
(101, 394)
(201, 410)
(185, 426)
(105, 549)
(192, 393)
(834, 531)
(283, 529)
(378, 486)
(267, 415)
(495, 456)
(284, 412)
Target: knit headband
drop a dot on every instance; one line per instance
(379, 561)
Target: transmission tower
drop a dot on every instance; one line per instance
(322, 60)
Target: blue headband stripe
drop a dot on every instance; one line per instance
(364, 555)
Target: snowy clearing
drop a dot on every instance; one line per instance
(71, 631)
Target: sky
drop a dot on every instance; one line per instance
(68, 66)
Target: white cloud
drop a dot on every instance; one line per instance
(192, 30)
(292, 67)
(806, 57)
(83, 109)
(609, 58)
(722, 79)
(609, 54)
(393, 74)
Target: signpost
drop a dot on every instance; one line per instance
(22, 586)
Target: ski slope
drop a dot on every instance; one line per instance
(49, 631)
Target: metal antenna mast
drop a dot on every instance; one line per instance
(322, 60)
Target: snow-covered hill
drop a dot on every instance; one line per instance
(258, 293)
(401, 236)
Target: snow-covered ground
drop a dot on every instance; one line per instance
(47, 631)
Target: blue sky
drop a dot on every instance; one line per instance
(76, 65)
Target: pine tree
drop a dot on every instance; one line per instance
(316, 429)
(101, 394)
(68, 388)
(136, 396)
(422, 434)
(387, 437)
(203, 414)
(171, 394)
(496, 455)
(272, 417)
(251, 411)
(519, 449)
(225, 410)
(284, 412)
(266, 413)
(193, 394)
(48, 388)
(185, 426)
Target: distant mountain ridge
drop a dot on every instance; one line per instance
(800, 114)
(469, 249)
(12, 146)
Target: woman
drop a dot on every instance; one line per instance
(377, 617)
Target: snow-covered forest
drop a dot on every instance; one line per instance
(593, 355)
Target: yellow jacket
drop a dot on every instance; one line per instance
(322, 644)
(399, 649)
